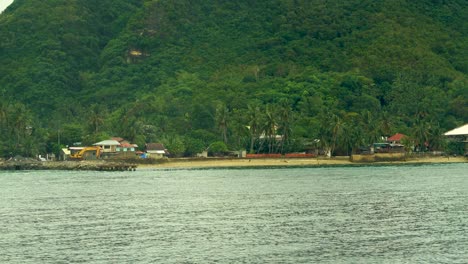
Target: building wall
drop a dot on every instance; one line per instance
(108, 148)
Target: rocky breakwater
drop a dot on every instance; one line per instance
(26, 164)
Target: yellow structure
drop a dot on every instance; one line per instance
(88, 153)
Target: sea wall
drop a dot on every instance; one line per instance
(398, 156)
(377, 157)
(362, 158)
(67, 165)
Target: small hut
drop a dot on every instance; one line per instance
(156, 150)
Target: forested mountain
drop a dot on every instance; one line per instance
(191, 73)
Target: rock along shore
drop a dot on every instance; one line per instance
(67, 165)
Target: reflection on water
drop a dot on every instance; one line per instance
(409, 214)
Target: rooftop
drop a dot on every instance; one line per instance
(396, 137)
(109, 142)
(459, 131)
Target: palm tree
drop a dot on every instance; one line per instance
(420, 133)
(240, 131)
(255, 120)
(436, 138)
(352, 132)
(269, 128)
(222, 116)
(385, 123)
(325, 132)
(3, 111)
(285, 123)
(371, 130)
(336, 125)
(96, 119)
(331, 129)
(19, 119)
(3, 118)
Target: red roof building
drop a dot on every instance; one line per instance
(396, 139)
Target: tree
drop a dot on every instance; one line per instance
(96, 118)
(285, 121)
(371, 132)
(269, 127)
(385, 123)
(193, 146)
(20, 135)
(239, 129)
(170, 64)
(436, 139)
(217, 148)
(222, 117)
(420, 134)
(352, 135)
(336, 126)
(174, 144)
(255, 123)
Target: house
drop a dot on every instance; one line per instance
(459, 134)
(126, 146)
(117, 147)
(108, 146)
(396, 139)
(126, 149)
(388, 148)
(392, 145)
(156, 150)
(116, 144)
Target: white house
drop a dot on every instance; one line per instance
(109, 145)
(459, 134)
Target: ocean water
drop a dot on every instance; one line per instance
(388, 214)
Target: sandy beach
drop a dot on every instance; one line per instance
(291, 162)
(206, 163)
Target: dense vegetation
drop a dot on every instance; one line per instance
(214, 74)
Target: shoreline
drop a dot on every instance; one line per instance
(290, 162)
(216, 163)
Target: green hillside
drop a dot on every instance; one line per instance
(194, 73)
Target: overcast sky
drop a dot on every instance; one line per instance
(4, 4)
